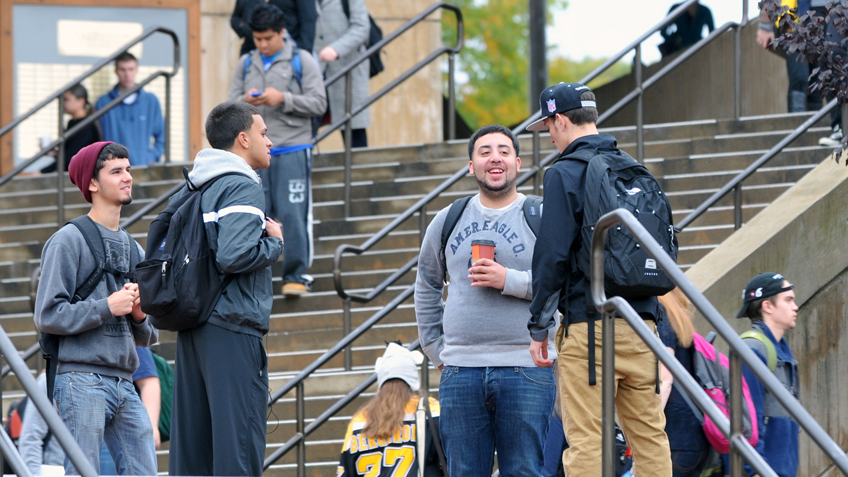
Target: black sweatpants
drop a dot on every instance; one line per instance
(218, 422)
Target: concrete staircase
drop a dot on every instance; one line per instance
(692, 160)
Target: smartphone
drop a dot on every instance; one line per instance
(256, 93)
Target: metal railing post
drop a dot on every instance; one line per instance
(737, 207)
(736, 463)
(640, 129)
(608, 394)
(737, 72)
(167, 119)
(422, 224)
(451, 97)
(348, 136)
(60, 168)
(300, 416)
(537, 144)
(425, 377)
(2, 459)
(348, 351)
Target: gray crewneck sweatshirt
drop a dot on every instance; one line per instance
(477, 326)
(91, 339)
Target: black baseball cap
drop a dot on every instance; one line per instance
(762, 286)
(560, 98)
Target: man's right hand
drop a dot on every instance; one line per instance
(250, 99)
(122, 301)
(272, 228)
(539, 353)
(764, 38)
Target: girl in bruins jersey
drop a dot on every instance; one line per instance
(382, 438)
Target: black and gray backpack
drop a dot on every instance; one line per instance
(615, 180)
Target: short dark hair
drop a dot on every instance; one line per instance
(491, 129)
(755, 308)
(109, 151)
(266, 17)
(583, 116)
(226, 121)
(125, 56)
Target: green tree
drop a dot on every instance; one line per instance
(495, 60)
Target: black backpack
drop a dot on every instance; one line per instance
(615, 180)
(374, 37)
(179, 282)
(532, 214)
(50, 343)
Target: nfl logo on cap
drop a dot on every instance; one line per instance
(551, 105)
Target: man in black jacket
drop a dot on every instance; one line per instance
(299, 15)
(569, 113)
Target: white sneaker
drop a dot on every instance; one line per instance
(834, 140)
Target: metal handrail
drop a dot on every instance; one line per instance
(739, 353)
(59, 143)
(47, 411)
(299, 438)
(735, 184)
(347, 73)
(25, 355)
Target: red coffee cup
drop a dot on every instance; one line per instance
(482, 249)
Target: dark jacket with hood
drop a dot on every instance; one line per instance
(557, 282)
(235, 225)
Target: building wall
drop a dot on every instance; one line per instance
(410, 114)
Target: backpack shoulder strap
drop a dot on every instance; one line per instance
(297, 67)
(94, 240)
(455, 212)
(765, 344)
(247, 62)
(533, 213)
(346, 8)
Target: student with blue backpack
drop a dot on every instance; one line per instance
(286, 86)
(769, 302)
(591, 177)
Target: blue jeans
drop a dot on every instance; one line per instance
(483, 409)
(102, 408)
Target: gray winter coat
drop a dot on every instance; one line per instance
(235, 225)
(348, 38)
(290, 123)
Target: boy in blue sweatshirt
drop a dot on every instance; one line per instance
(769, 301)
(137, 119)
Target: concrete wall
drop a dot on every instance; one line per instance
(801, 235)
(707, 76)
(410, 114)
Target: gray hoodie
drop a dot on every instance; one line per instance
(477, 326)
(91, 340)
(235, 225)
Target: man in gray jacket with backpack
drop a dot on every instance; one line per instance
(221, 380)
(285, 85)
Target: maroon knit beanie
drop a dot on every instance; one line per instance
(81, 167)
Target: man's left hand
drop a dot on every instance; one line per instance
(271, 97)
(137, 314)
(328, 54)
(487, 273)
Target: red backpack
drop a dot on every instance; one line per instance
(712, 372)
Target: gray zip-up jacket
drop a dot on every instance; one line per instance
(290, 123)
(91, 340)
(235, 225)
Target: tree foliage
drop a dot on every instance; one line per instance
(816, 39)
(496, 57)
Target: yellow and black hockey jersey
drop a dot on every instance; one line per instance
(392, 457)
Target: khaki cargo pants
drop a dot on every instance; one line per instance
(637, 403)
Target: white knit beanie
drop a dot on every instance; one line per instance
(399, 363)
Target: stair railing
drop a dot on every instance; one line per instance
(735, 184)
(59, 143)
(47, 411)
(347, 73)
(739, 353)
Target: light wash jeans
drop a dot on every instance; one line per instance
(483, 409)
(102, 408)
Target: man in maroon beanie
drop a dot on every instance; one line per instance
(98, 333)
